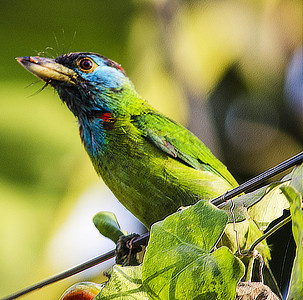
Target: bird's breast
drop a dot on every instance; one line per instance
(106, 136)
(93, 138)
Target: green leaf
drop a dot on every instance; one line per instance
(107, 224)
(180, 261)
(248, 232)
(296, 280)
(246, 209)
(270, 207)
(262, 205)
(125, 283)
(297, 179)
(272, 204)
(241, 204)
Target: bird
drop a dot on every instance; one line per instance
(151, 163)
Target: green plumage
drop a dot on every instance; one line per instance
(152, 164)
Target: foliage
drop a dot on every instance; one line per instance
(184, 259)
(42, 162)
(295, 200)
(181, 261)
(125, 283)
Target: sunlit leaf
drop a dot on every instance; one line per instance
(247, 232)
(270, 207)
(247, 228)
(237, 208)
(125, 283)
(180, 261)
(262, 205)
(296, 280)
(272, 204)
(297, 179)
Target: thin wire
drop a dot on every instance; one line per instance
(251, 183)
(143, 239)
(63, 275)
(234, 225)
(75, 270)
(284, 261)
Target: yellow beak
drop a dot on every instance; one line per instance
(47, 69)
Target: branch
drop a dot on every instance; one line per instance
(143, 239)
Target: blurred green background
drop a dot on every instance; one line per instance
(230, 70)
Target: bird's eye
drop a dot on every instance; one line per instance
(86, 64)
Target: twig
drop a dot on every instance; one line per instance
(268, 233)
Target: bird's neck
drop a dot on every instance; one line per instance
(109, 110)
(92, 133)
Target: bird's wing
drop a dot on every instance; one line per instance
(179, 143)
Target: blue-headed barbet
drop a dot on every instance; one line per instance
(152, 164)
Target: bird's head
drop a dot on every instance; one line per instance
(88, 83)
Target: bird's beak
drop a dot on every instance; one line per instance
(47, 69)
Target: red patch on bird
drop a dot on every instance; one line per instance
(120, 68)
(108, 120)
(106, 117)
(115, 65)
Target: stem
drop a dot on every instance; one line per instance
(268, 233)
